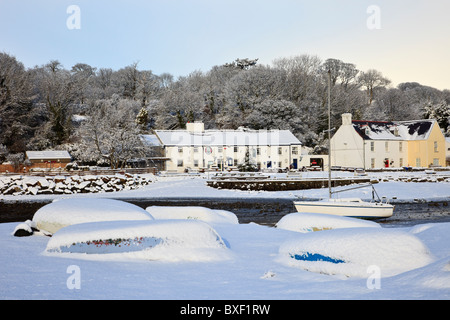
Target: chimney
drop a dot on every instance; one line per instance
(196, 126)
(346, 119)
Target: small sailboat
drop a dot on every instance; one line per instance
(348, 207)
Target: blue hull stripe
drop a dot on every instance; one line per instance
(315, 257)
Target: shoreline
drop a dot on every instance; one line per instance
(266, 211)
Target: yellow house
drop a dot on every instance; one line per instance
(447, 148)
(426, 148)
(393, 144)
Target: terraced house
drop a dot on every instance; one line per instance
(196, 148)
(380, 144)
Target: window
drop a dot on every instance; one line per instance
(418, 164)
(180, 149)
(195, 149)
(436, 146)
(372, 163)
(436, 162)
(294, 150)
(280, 150)
(220, 149)
(236, 149)
(258, 151)
(386, 146)
(372, 146)
(180, 163)
(400, 146)
(401, 162)
(235, 162)
(196, 163)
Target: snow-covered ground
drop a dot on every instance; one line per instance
(249, 261)
(195, 187)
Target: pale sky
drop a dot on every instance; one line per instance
(408, 41)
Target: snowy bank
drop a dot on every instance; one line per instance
(65, 212)
(352, 251)
(167, 240)
(307, 222)
(197, 213)
(254, 271)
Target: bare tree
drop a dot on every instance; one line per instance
(371, 80)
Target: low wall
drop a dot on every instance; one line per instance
(282, 185)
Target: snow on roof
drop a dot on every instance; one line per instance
(151, 140)
(37, 155)
(395, 130)
(240, 137)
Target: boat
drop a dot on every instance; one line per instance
(348, 207)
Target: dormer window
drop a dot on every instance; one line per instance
(366, 129)
(394, 130)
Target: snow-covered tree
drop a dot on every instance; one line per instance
(274, 114)
(58, 92)
(111, 133)
(142, 119)
(243, 64)
(440, 112)
(246, 90)
(82, 77)
(17, 123)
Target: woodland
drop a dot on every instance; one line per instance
(99, 114)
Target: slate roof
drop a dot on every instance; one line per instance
(395, 130)
(240, 137)
(49, 155)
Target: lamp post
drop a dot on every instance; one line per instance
(329, 133)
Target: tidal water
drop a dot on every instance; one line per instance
(261, 211)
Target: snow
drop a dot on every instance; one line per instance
(166, 240)
(224, 261)
(242, 137)
(307, 222)
(200, 213)
(354, 250)
(65, 212)
(195, 187)
(397, 130)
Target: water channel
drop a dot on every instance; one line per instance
(262, 211)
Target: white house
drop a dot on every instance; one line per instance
(379, 144)
(197, 148)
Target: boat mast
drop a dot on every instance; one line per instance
(329, 133)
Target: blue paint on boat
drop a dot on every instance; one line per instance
(315, 257)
